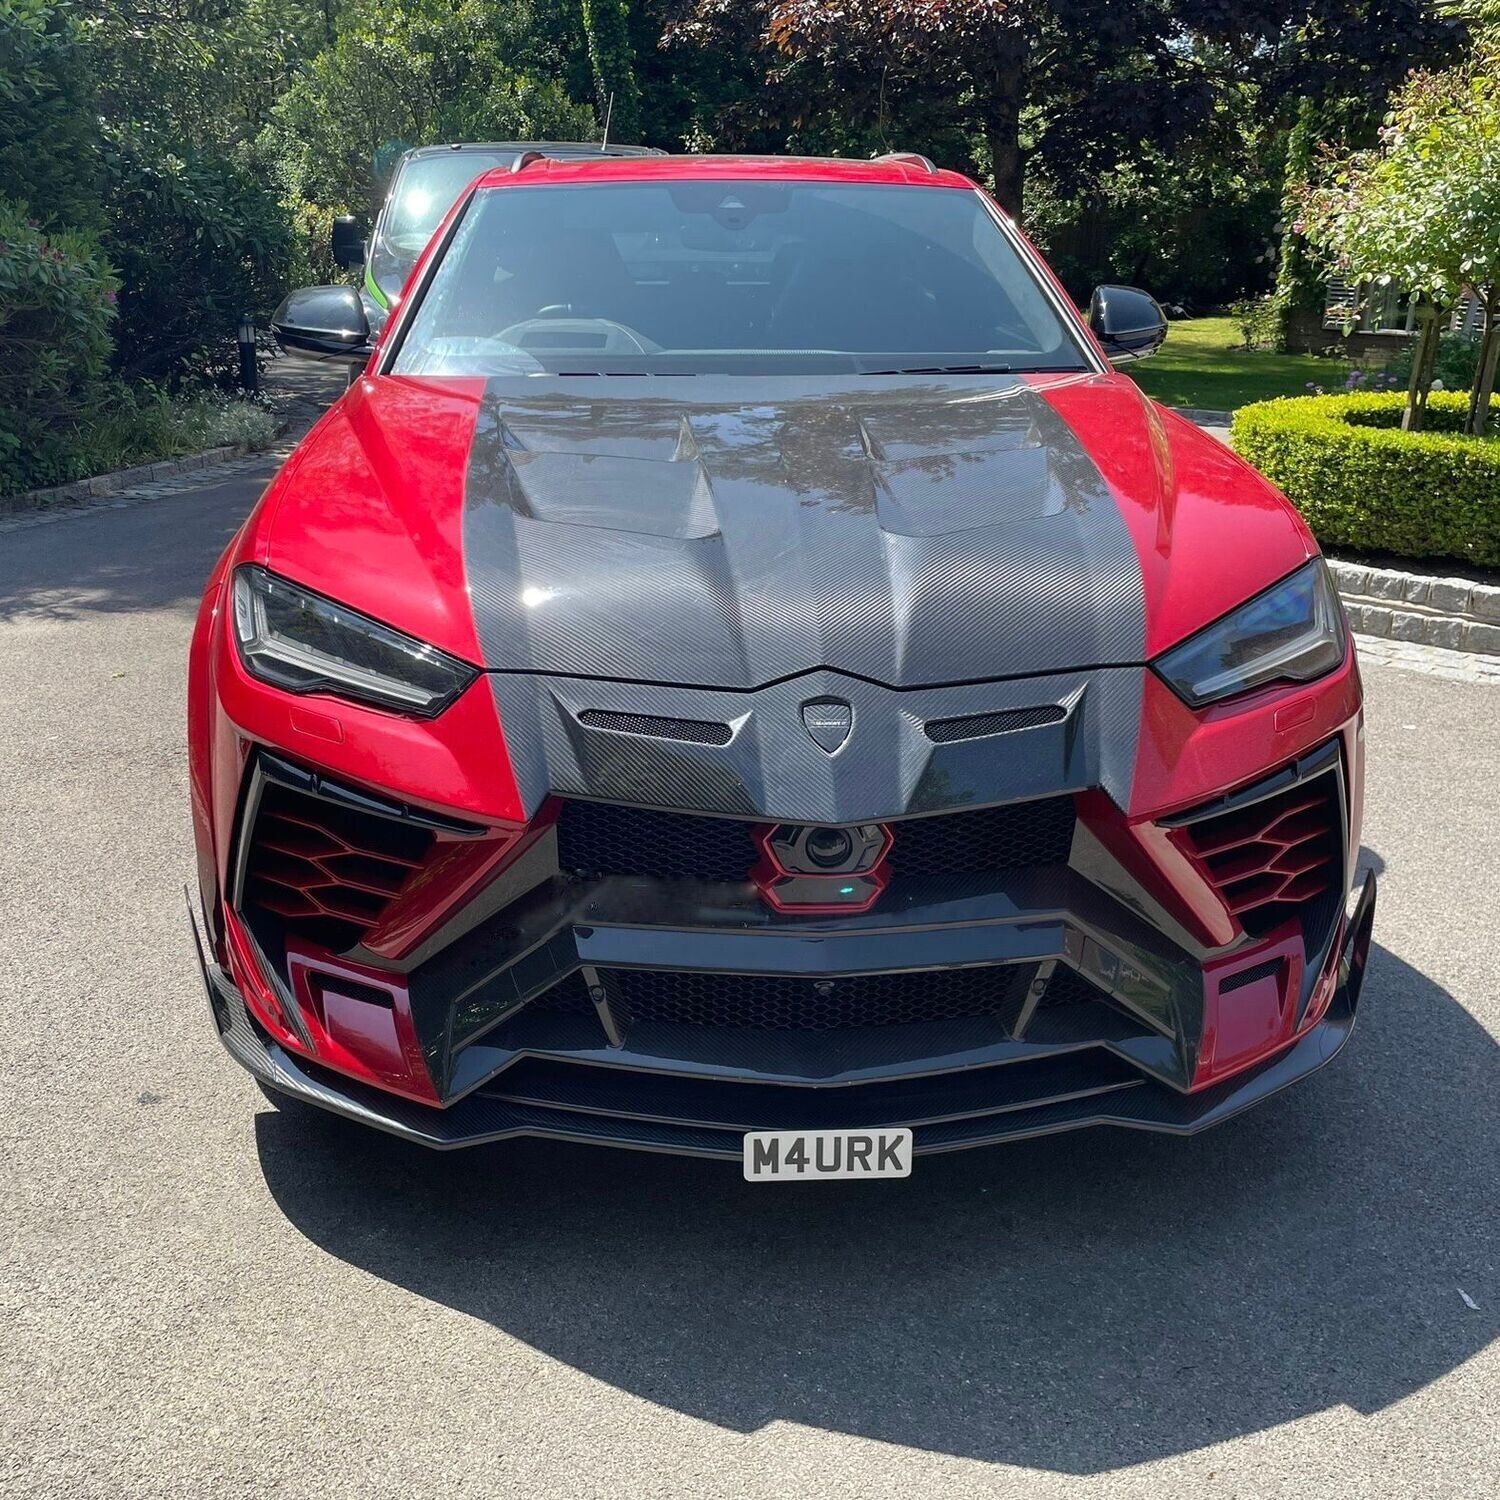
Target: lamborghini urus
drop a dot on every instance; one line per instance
(739, 673)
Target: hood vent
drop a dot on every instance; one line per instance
(692, 731)
(1002, 721)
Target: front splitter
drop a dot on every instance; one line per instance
(480, 1118)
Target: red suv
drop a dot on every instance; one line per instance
(740, 674)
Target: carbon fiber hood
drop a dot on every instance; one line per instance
(731, 532)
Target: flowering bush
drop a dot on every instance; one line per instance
(1456, 363)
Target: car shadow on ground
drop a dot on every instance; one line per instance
(1077, 1304)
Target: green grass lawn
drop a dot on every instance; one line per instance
(1199, 366)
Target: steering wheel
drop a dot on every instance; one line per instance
(541, 333)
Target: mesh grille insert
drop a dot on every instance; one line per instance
(1253, 975)
(602, 838)
(776, 1002)
(979, 843)
(1072, 1011)
(1003, 721)
(693, 731)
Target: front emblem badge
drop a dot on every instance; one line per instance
(828, 721)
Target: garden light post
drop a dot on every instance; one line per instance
(249, 374)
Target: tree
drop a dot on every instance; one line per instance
(1481, 16)
(1078, 87)
(409, 74)
(197, 240)
(1072, 80)
(49, 134)
(203, 74)
(1194, 223)
(616, 95)
(1335, 62)
(1422, 209)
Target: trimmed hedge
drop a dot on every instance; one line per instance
(1361, 482)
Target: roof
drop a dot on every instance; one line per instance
(904, 169)
(561, 148)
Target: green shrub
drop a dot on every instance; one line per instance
(1258, 321)
(1361, 482)
(1457, 362)
(138, 424)
(57, 300)
(197, 240)
(49, 124)
(214, 420)
(312, 262)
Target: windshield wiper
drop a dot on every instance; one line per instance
(981, 369)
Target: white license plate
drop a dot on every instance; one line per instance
(826, 1155)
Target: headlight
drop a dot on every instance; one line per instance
(1293, 632)
(307, 644)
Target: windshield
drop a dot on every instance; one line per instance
(424, 190)
(716, 276)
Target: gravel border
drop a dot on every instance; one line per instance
(184, 481)
(83, 490)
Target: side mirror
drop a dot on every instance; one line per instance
(326, 321)
(347, 242)
(1127, 321)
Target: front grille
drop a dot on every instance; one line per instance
(329, 872)
(601, 838)
(1277, 858)
(984, 842)
(776, 1002)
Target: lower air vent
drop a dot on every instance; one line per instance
(1253, 975)
(1277, 858)
(691, 731)
(328, 871)
(602, 838)
(988, 841)
(1003, 721)
(774, 1002)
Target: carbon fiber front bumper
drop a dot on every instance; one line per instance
(1040, 1090)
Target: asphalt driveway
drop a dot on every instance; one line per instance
(200, 1295)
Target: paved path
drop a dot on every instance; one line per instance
(201, 1296)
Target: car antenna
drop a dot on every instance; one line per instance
(609, 110)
